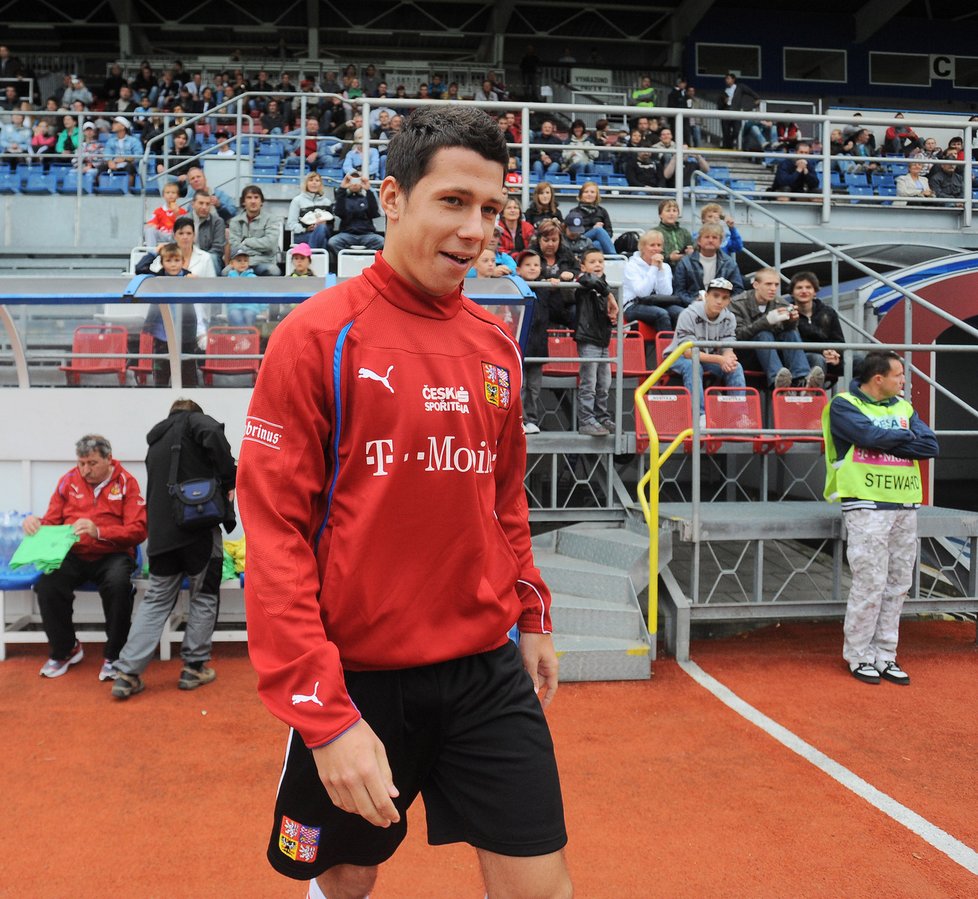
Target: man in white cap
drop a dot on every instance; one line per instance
(122, 150)
(709, 319)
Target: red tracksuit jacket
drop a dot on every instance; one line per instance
(119, 512)
(380, 484)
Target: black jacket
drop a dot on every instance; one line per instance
(356, 210)
(204, 453)
(591, 298)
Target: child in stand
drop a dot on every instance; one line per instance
(171, 261)
(596, 311)
(242, 313)
(159, 228)
(301, 255)
(529, 268)
(712, 214)
(485, 266)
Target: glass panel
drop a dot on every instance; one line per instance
(899, 68)
(814, 65)
(718, 59)
(966, 71)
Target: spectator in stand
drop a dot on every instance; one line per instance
(712, 214)
(597, 221)
(818, 323)
(380, 122)
(123, 103)
(371, 81)
(10, 65)
(862, 148)
(349, 75)
(928, 150)
(574, 238)
(76, 90)
(356, 207)
(643, 96)
(646, 288)
(947, 179)
(452, 92)
(900, 139)
(353, 161)
(145, 83)
(318, 151)
(683, 96)
(159, 228)
(796, 175)
(436, 88)
(186, 445)
(668, 158)
(331, 84)
(840, 146)
(579, 155)
(485, 93)
(43, 142)
(677, 96)
(763, 314)
(528, 267)
(710, 319)
(257, 231)
(693, 272)
(113, 82)
(301, 255)
(193, 259)
(101, 502)
(505, 264)
(222, 202)
(179, 161)
(544, 162)
(11, 99)
(497, 85)
(272, 119)
(122, 150)
(734, 97)
(642, 169)
(167, 90)
(634, 143)
(557, 264)
(957, 145)
(678, 240)
(788, 136)
(913, 184)
(516, 234)
(69, 139)
(310, 213)
(332, 115)
(758, 134)
(485, 266)
(209, 228)
(597, 310)
(15, 140)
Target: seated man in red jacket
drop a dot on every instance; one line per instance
(102, 503)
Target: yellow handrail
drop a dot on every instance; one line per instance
(650, 504)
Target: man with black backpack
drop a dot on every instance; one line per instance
(190, 477)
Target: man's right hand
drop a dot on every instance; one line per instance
(32, 524)
(355, 772)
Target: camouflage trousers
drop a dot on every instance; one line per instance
(882, 550)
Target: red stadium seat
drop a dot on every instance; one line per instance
(735, 409)
(143, 369)
(798, 409)
(231, 340)
(671, 413)
(561, 343)
(97, 339)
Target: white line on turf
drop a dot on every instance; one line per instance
(939, 839)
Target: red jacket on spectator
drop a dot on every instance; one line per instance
(118, 510)
(513, 243)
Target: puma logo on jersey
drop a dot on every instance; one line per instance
(373, 376)
(301, 697)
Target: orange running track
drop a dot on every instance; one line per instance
(668, 792)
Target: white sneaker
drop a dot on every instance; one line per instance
(57, 667)
(530, 428)
(108, 671)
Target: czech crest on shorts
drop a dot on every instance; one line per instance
(297, 841)
(497, 385)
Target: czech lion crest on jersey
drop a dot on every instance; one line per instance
(497, 385)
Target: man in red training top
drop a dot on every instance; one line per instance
(381, 489)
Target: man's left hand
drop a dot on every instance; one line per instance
(541, 663)
(85, 526)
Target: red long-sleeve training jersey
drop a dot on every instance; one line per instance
(380, 484)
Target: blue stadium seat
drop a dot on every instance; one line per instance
(860, 190)
(40, 182)
(559, 178)
(614, 180)
(721, 172)
(9, 183)
(743, 186)
(70, 183)
(114, 184)
(604, 168)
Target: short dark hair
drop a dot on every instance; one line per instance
(433, 128)
(184, 405)
(183, 222)
(170, 250)
(877, 362)
(590, 251)
(804, 276)
(252, 189)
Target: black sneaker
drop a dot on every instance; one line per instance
(892, 672)
(866, 673)
(126, 685)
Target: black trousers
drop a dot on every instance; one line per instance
(112, 574)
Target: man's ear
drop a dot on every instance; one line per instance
(391, 198)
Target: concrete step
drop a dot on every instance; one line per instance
(602, 658)
(576, 615)
(605, 544)
(564, 574)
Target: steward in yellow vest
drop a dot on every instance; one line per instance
(873, 439)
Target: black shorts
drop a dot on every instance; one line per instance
(468, 734)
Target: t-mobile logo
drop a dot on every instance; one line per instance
(379, 454)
